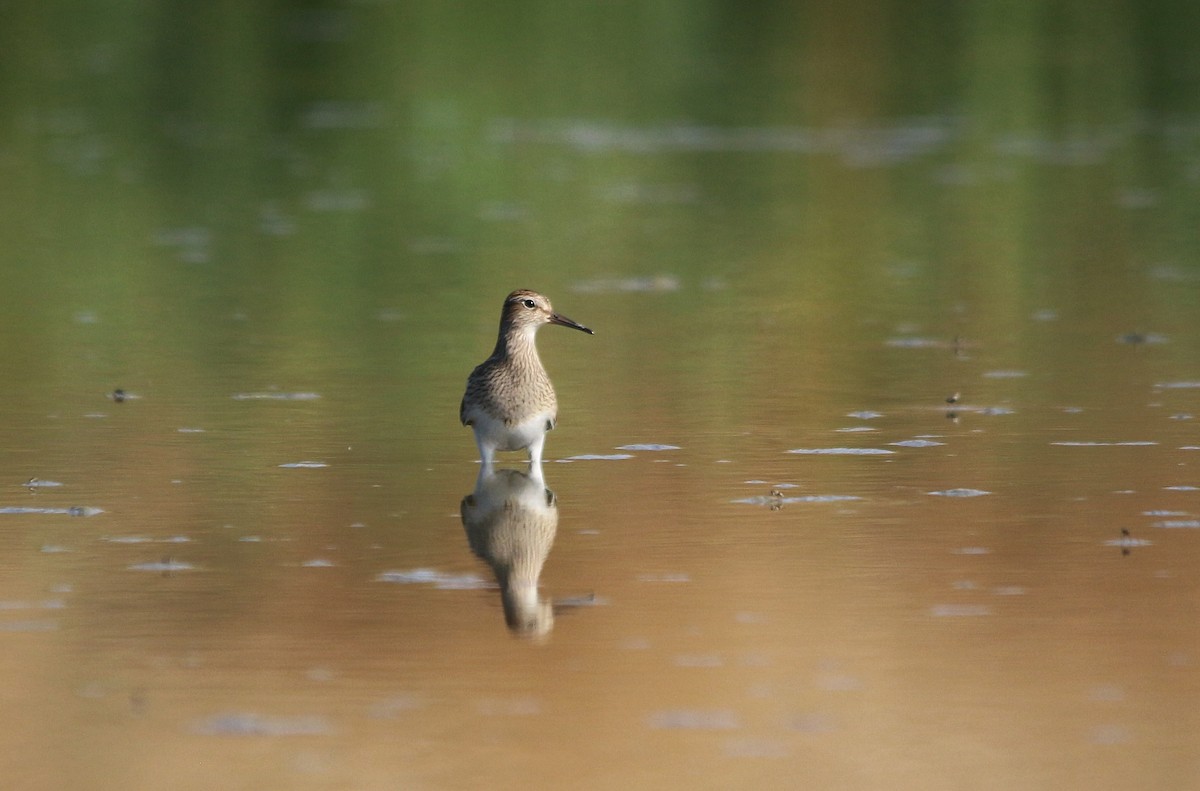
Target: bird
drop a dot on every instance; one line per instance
(509, 402)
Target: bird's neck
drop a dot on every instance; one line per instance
(517, 344)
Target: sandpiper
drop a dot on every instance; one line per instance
(510, 403)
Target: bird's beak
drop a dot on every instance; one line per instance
(556, 318)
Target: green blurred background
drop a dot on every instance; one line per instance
(285, 193)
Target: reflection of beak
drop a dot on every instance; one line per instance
(557, 318)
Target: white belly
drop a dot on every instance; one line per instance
(496, 434)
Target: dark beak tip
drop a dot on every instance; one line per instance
(565, 322)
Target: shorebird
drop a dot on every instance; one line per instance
(509, 402)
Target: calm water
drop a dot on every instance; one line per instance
(882, 469)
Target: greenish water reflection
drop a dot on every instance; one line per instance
(774, 218)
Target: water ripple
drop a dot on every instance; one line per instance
(842, 451)
(960, 493)
(438, 579)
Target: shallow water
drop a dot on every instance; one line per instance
(879, 473)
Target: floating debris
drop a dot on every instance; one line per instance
(649, 284)
(664, 577)
(842, 451)
(145, 540)
(38, 483)
(916, 343)
(245, 724)
(582, 600)
(1127, 542)
(271, 396)
(1140, 338)
(45, 604)
(438, 579)
(273, 220)
(1090, 444)
(118, 396)
(649, 194)
(953, 399)
(390, 708)
(812, 723)
(596, 457)
(192, 244)
(164, 566)
(960, 493)
(694, 720)
(774, 499)
(75, 510)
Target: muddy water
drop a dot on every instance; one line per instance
(880, 472)
(865, 588)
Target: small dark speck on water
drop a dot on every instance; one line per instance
(118, 396)
(953, 399)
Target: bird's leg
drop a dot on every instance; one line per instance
(535, 455)
(487, 454)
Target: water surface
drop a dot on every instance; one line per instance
(879, 473)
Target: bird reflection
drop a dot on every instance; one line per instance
(510, 520)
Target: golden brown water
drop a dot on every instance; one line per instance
(774, 557)
(900, 639)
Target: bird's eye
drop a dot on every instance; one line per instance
(529, 303)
